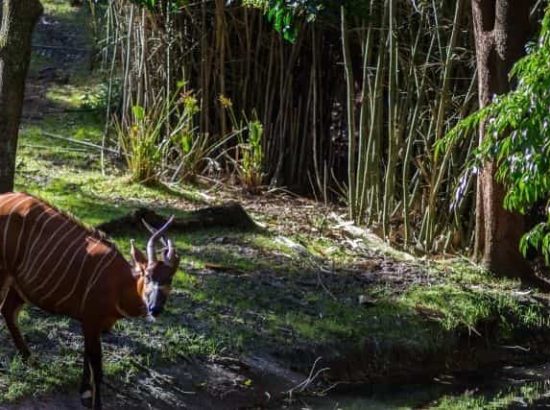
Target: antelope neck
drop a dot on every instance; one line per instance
(132, 303)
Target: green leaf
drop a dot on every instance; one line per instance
(139, 112)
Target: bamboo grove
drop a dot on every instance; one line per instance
(350, 109)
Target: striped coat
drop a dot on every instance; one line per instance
(59, 265)
(52, 261)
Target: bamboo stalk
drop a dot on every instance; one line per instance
(392, 124)
(350, 91)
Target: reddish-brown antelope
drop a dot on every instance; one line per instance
(50, 260)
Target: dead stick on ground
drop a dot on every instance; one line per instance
(309, 380)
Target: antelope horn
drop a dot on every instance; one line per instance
(153, 231)
(151, 257)
(170, 255)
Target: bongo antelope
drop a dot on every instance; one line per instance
(50, 260)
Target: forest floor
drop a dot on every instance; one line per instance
(308, 304)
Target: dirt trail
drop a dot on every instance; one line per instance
(61, 48)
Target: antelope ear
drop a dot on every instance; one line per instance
(138, 258)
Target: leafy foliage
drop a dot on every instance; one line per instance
(157, 5)
(194, 152)
(518, 137)
(283, 13)
(248, 159)
(250, 166)
(141, 144)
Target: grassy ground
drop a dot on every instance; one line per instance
(307, 286)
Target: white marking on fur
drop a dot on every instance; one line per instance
(21, 231)
(86, 395)
(53, 251)
(29, 277)
(75, 284)
(11, 198)
(9, 195)
(31, 235)
(30, 257)
(78, 242)
(82, 243)
(100, 268)
(6, 229)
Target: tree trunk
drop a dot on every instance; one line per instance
(501, 31)
(18, 20)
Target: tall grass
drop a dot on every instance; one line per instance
(250, 157)
(162, 140)
(142, 144)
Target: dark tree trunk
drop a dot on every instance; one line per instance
(18, 20)
(501, 32)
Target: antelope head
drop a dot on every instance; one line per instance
(156, 274)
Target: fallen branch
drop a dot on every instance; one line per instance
(79, 142)
(311, 378)
(231, 215)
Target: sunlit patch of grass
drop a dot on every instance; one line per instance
(274, 243)
(471, 297)
(68, 122)
(58, 7)
(67, 95)
(523, 396)
(466, 308)
(325, 248)
(22, 380)
(88, 194)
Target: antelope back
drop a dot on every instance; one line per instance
(56, 262)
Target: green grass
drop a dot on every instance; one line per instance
(257, 301)
(504, 397)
